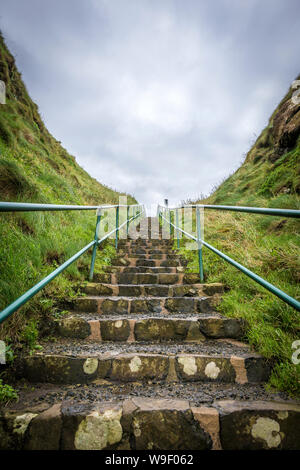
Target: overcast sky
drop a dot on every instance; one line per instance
(158, 98)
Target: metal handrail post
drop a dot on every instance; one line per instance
(127, 229)
(200, 260)
(96, 245)
(117, 227)
(177, 225)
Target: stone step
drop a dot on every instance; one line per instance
(154, 329)
(144, 249)
(43, 395)
(151, 235)
(147, 278)
(141, 269)
(150, 256)
(152, 290)
(146, 363)
(119, 261)
(124, 305)
(148, 251)
(73, 366)
(143, 423)
(146, 243)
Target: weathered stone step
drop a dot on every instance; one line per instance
(144, 366)
(147, 243)
(147, 278)
(148, 251)
(44, 395)
(150, 256)
(119, 261)
(141, 269)
(75, 347)
(151, 329)
(153, 235)
(124, 305)
(152, 290)
(142, 423)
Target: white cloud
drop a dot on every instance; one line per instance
(159, 99)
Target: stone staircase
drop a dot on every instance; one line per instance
(145, 362)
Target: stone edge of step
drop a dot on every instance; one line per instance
(225, 425)
(130, 367)
(150, 328)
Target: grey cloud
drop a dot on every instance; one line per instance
(158, 99)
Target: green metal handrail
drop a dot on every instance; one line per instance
(32, 207)
(252, 210)
(12, 207)
(267, 285)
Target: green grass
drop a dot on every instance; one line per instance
(257, 243)
(269, 246)
(7, 393)
(34, 167)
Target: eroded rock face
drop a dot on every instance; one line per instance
(286, 125)
(281, 134)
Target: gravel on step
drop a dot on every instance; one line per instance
(139, 316)
(141, 297)
(75, 348)
(197, 394)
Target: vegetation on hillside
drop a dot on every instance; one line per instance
(269, 246)
(34, 167)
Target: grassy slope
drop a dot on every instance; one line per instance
(269, 246)
(34, 167)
